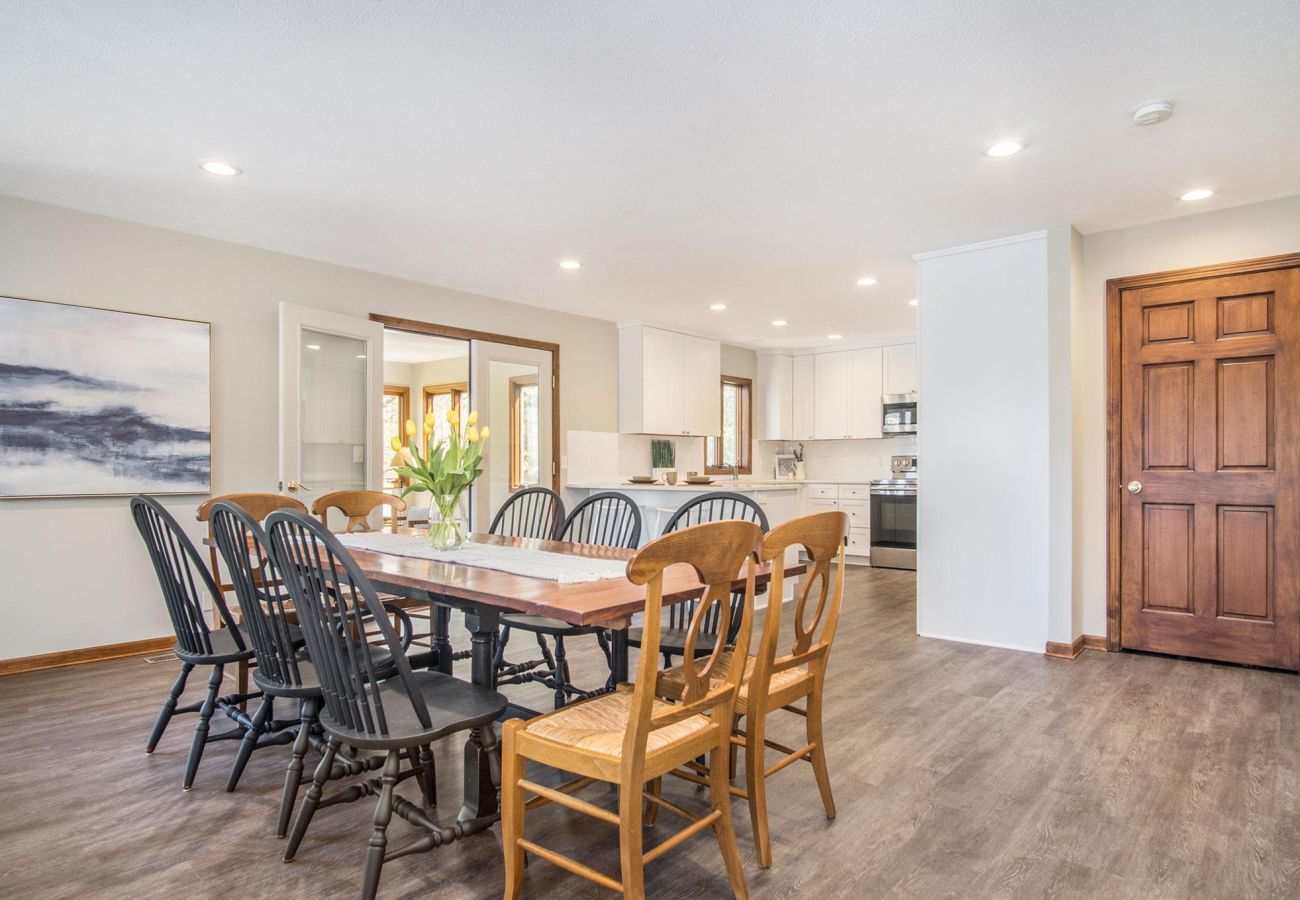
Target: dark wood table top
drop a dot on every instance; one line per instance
(609, 602)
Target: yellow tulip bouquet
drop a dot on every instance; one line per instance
(445, 470)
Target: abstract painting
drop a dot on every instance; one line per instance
(95, 402)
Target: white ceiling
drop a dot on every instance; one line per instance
(763, 153)
(407, 347)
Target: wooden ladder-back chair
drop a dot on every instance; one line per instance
(775, 682)
(630, 737)
(259, 505)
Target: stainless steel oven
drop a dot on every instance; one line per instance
(893, 516)
(899, 416)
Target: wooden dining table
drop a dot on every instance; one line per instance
(483, 595)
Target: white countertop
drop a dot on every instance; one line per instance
(722, 483)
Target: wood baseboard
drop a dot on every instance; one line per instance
(1073, 649)
(85, 655)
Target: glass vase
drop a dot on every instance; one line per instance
(447, 529)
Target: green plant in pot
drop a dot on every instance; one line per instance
(445, 471)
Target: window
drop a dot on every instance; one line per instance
(397, 409)
(524, 432)
(440, 399)
(734, 446)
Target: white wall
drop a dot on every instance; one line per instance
(46, 253)
(1243, 232)
(985, 341)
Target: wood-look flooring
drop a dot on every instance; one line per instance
(959, 771)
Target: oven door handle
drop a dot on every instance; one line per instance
(876, 493)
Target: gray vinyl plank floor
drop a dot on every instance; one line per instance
(958, 771)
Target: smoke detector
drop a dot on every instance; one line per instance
(1153, 112)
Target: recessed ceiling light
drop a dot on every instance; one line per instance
(217, 167)
(834, 337)
(313, 346)
(717, 307)
(913, 302)
(570, 264)
(1197, 194)
(361, 356)
(778, 322)
(1004, 148)
(866, 281)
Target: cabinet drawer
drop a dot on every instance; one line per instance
(855, 492)
(822, 504)
(859, 543)
(859, 513)
(824, 491)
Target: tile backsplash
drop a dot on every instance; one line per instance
(604, 456)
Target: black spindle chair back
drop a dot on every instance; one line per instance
(608, 519)
(715, 506)
(534, 512)
(182, 576)
(335, 602)
(263, 597)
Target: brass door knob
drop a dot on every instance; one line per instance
(1134, 487)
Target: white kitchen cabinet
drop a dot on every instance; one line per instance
(803, 389)
(866, 411)
(668, 383)
(853, 499)
(775, 397)
(900, 369)
(833, 373)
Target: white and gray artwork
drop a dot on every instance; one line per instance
(97, 402)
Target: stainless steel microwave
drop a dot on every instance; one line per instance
(899, 414)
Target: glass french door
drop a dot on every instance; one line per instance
(510, 388)
(331, 402)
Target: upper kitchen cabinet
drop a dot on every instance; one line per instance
(668, 383)
(900, 369)
(775, 397)
(802, 417)
(832, 373)
(866, 412)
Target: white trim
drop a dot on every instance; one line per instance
(957, 640)
(982, 245)
(868, 343)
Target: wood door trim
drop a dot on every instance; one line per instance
(1115, 288)
(469, 334)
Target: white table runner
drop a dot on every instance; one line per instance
(560, 567)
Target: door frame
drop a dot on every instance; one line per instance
(1114, 405)
(469, 334)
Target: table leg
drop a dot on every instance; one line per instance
(480, 791)
(618, 656)
(441, 624)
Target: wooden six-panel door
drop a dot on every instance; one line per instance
(1209, 467)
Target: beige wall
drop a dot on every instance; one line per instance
(1244, 232)
(48, 253)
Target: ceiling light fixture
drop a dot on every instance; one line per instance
(570, 264)
(913, 302)
(1153, 112)
(1004, 148)
(866, 281)
(361, 356)
(834, 337)
(217, 167)
(313, 346)
(779, 323)
(1197, 194)
(717, 307)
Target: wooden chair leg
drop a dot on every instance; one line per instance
(249, 742)
(733, 752)
(512, 812)
(503, 638)
(241, 682)
(168, 707)
(655, 788)
(379, 837)
(724, 828)
(814, 723)
(201, 729)
(630, 847)
(430, 777)
(561, 672)
(293, 775)
(312, 800)
(756, 787)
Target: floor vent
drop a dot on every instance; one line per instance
(161, 658)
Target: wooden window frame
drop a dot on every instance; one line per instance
(457, 389)
(517, 384)
(745, 427)
(403, 393)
